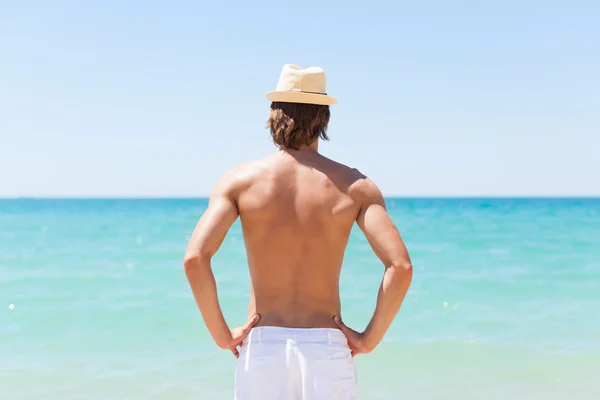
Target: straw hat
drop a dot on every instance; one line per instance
(298, 85)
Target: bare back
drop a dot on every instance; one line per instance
(297, 211)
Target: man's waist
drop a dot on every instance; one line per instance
(300, 335)
(301, 316)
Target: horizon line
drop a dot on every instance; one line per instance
(433, 197)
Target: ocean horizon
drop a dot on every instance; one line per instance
(387, 197)
(94, 303)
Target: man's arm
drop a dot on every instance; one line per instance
(386, 242)
(204, 243)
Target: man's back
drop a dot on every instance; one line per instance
(297, 209)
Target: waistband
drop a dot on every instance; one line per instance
(299, 335)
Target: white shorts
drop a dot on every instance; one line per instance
(295, 364)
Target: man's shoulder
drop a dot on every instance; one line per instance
(361, 188)
(345, 172)
(357, 184)
(242, 175)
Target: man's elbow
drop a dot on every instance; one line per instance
(403, 270)
(193, 261)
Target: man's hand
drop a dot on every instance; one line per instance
(356, 341)
(239, 334)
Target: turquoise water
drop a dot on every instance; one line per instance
(504, 302)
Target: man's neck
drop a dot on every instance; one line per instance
(312, 148)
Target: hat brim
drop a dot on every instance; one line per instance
(300, 97)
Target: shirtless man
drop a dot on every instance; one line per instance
(297, 208)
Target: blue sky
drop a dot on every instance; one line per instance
(157, 98)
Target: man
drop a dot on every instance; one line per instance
(297, 209)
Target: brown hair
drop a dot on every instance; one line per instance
(293, 124)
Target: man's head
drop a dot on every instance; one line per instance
(299, 107)
(294, 125)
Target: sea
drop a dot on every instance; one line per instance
(505, 301)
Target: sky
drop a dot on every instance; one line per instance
(436, 98)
